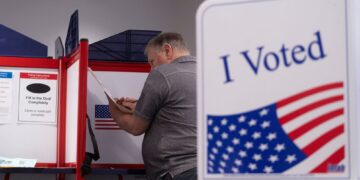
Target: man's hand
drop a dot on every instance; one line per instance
(128, 121)
(115, 113)
(129, 103)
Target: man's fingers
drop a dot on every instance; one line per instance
(119, 101)
(128, 99)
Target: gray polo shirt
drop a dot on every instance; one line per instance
(168, 100)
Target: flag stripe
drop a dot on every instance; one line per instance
(308, 100)
(319, 142)
(315, 122)
(318, 131)
(315, 90)
(288, 117)
(103, 119)
(334, 159)
(305, 118)
(319, 156)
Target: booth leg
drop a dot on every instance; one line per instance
(60, 176)
(120, 177)
(7, 176)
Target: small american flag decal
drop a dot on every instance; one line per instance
(103, 119)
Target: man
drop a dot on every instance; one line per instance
(165, 111)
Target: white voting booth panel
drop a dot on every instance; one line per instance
(115, 145)
(72, 112)
(28, 126)
(274, 94)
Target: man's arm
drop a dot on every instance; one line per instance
(129, 122)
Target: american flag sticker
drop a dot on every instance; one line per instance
(103, 119)
(300, 134)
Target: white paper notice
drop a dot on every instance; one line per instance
(16, 162)
(38, 98)
(6, 90)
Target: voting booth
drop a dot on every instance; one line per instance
(275, 90)
(28, 115)
(53, 131)
(44, 103)
(43, 116)
(118, 149)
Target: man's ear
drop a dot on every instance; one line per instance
(169, 52)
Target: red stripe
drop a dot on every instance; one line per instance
(319, 142)
(315, 122)
(334, 159)
(309, 92)
(307, 108)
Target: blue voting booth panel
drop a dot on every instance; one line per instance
(127, 46)
(72, 37)
(13, 43)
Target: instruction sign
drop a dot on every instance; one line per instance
(6, 89)
(273, 89)
(37, 98)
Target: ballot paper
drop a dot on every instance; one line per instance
(109, 96)
(16, 162)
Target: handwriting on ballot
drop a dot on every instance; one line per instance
(263, 60)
